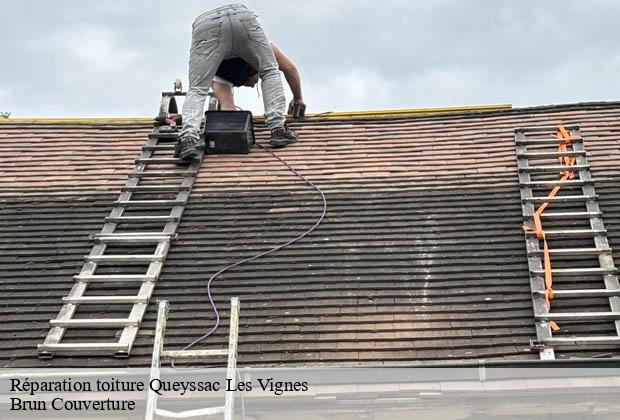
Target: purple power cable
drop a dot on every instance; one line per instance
(262, 254)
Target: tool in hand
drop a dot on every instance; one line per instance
(297, 109)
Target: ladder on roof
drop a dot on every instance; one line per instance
(562, 288)
(117, 250)
(158, 353)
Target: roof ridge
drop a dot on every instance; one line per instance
(344, 115)
(323, 115)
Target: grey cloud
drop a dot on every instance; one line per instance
(93, 58)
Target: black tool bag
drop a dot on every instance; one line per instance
(228, 132)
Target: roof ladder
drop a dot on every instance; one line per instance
(121, 332)
(574, 227)
(158, 353)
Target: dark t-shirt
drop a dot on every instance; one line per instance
(235, 70)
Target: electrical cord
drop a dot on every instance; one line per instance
(262, 254)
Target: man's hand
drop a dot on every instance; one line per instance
(297, 109)
(251, 81)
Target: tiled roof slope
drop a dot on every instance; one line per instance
(421, 257)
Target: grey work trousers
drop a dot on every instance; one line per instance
(223, 33)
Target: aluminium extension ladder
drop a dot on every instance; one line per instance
(534, 147)
(161, 140)
(158, 353)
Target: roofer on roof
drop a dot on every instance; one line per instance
(227, 32)
(237, 72)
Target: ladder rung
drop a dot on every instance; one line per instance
(150, 203)
(572, 233)
(105, 299)
(182, 354)
(583, 293)
(98, 323)
(115, 277)
(199, 412)
(160, 160)
(137, 239)
(158, 147)
(579, 341)
(574, 251)
(155, 188)
(550, 141)
(124, 258)
(561, 199)
(570, 215)
(166, 135)
(578, 316)
(164, 174)
(199, 146)
(127, 219)
(577, 271)
(552, 128)
(82, 347)
(132, 239)
(554, 168)
(534, 155)
(551, 184)
(125, 234)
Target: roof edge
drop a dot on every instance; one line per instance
(347, 115)
(323, 115)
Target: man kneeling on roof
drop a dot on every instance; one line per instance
(225, 33)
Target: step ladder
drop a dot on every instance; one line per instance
(159, 353)
(538, 151)
(87, 334)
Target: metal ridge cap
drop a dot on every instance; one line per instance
(403, 112)
(323, 115)
(329, 115)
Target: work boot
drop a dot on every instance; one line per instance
(185, 149)
(281, 136)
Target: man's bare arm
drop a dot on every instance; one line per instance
(290, 73)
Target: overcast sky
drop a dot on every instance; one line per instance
(80, 58)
